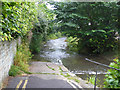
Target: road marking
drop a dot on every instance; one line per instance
(17, 87)
(72, 85)
(24, 86)
(76, 84)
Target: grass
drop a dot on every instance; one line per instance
(60, 69)
(15, 70)
(50, 67)
(23, 56)
(74, 78)
(69, 77)
(91, 79)
(46, 73)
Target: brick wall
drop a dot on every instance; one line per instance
(7, 53)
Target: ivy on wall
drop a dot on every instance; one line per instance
(17, 19)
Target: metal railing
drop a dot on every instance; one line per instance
(95, 84)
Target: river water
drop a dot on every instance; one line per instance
(55, 51)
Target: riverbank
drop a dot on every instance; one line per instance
(56, 62)
(56, 51)
(49, 70)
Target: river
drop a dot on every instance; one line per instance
(55, 51)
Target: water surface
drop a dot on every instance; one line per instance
(55, 51)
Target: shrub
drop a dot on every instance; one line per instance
(58, 34)
(113, 76)
(73, 43)
(36, 43)
(54, 35)
(14, 70)
(23, 55)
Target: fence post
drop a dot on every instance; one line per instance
(95, 81)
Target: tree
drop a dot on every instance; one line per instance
(95, 23)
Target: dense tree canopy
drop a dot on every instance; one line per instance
(95, 23)
(42, 28)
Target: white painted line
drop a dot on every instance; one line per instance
(76, 83)
(72, 85)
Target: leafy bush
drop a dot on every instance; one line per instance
(17, 19)
(22, 57)
(36, 43)
(113, 76)
(73, 43)
(58, 34)
(54, 35)
(98, 41)
(42, 28)
(14, 70)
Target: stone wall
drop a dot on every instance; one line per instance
(7, 53)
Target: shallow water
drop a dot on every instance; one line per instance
(55, 51)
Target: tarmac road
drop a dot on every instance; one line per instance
(43, 78)
(34, 82)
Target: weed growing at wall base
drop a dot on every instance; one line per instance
(21, 60)
(15, 70)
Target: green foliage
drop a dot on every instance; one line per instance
(14, 71)
(36, 43)
(99, 41)
(38, 39)
(51, 36)
(91, 79)
(113, 76)
(54, 35)
(42, 28)
(50, 67)
(69, 77)
(45, 18)
(88, 21)
(58, 34)
(22, 57)
(72, 43)
(17, 19)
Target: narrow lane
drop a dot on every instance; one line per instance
(44, 75)
(34, 82)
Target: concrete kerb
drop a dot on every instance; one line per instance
(60, 71)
